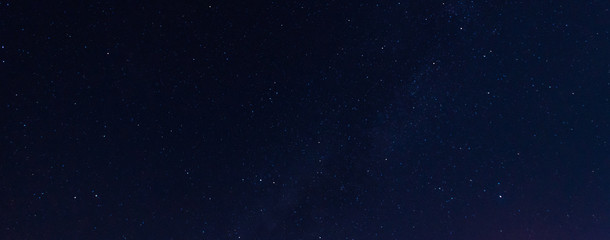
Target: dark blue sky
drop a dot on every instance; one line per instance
(305, 120)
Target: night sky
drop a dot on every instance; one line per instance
(279, 120)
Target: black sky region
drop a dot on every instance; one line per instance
(305, 119)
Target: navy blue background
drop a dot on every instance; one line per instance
(305, 120)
